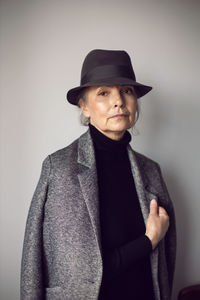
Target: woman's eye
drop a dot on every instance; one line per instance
(128, 91)
(103, 93)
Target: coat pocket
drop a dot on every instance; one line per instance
(55, 293)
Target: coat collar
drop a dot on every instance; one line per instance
(86, 155)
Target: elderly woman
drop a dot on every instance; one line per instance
(101, 224)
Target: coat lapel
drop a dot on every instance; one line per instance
(145, 189)
(146, 192)
(88, 181)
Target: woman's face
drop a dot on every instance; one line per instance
(111, 109)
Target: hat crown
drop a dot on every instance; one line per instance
(99, 57)
(106, 63)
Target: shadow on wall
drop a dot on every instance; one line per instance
(179, 198)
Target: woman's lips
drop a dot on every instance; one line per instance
(119, 116)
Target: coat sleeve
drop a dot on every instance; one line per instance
(32, 279)
(170, 237)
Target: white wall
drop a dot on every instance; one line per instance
(43, 44)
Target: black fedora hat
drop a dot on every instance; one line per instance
(107, 67)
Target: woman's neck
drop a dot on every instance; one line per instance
(113, 135)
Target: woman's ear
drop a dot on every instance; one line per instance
(84, 108)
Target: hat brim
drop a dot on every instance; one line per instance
(140, 89)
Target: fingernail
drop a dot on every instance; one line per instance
(154, 201)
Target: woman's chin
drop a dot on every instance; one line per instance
(120, 127)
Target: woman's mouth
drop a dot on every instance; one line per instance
(119, 116)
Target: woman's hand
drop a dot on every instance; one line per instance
(157, 223)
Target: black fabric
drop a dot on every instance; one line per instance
(99, 72)
(125, 248)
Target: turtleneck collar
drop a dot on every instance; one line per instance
(102, 142)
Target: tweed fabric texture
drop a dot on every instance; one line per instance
(62, 255)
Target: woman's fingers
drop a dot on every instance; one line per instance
(162, 211)
(153, 207)
(157, 210)
(157, 223)
(163, 214)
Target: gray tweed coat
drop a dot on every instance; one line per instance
(61, 257)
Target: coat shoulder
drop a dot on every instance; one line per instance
(65, 158)
(69, 152)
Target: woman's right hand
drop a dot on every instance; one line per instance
(157, 223)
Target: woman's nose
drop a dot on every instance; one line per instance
(118, 99)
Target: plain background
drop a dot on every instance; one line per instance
(43, 44)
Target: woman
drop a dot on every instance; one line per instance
(101, 224)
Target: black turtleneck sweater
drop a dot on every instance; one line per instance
(125, 247)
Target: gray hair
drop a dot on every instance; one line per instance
(83, 95)
(85, 120)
